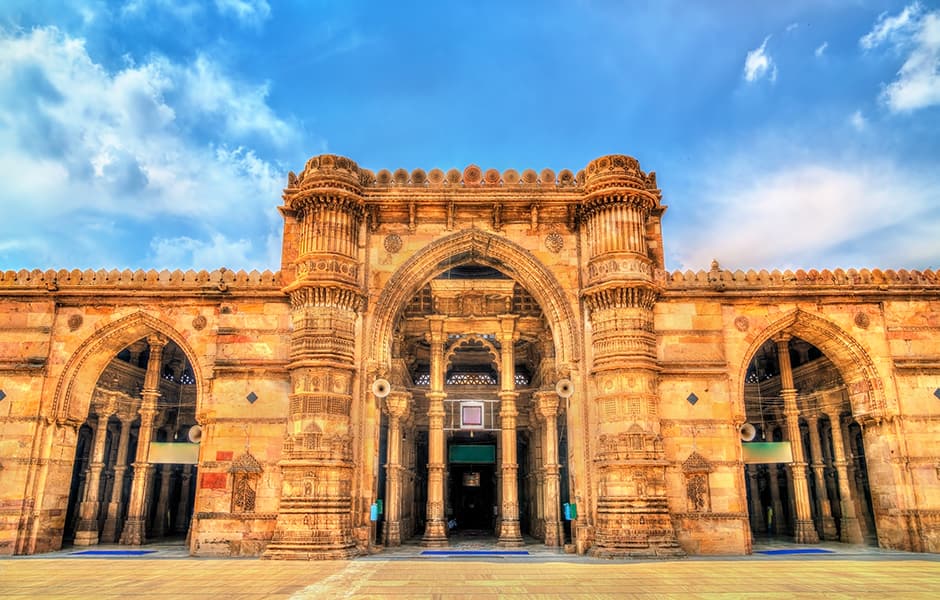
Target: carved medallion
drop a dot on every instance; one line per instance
(554, 242)
(491, 177)
(75, 321)
(392, 243)
(511, 177)
(862, 320)
(742, 323)
(199, 323)
(436, 177)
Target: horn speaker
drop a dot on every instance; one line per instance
(564, 388)
(748, 432)
(381, 388)
(195, 434)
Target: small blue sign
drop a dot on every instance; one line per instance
(374, 512)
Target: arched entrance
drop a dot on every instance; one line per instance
(471, 431)
(104, 504)
(795, 394)
(131, 384)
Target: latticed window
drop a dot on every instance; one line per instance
(523, 303)
(246, 473)
(471, 379)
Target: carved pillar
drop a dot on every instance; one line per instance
(182, 509)
(547, 406)
(620, 206)
(396, 404)
(819, 470)
(112, 531)
(323, 212)
(758, 523)
(850, 529)
(135, 527)
(509, 533)
(435, 530)
(87, 532)
(804, 530)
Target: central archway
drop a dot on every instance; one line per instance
(476, 246)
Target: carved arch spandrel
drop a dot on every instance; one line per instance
(474, 245)
(74, 389)
(865, 387)
(467, 341)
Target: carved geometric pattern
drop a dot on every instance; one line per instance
(251, 397)
(199, 323)
(692, 399)
(741, 323)
(75, 321)
(554, 242)
(392, 243)
(862, 320)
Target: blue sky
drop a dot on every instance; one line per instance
(158, 133)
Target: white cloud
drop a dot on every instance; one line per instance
(95, 153)
(791, 27)
(917, 34)
(184, 252)
(889, 28)
(858, 121)
(821, 49)
(248, 12)
(812, 215)
(760, 64)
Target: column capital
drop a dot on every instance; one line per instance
(782, 338)
(546, 403)
(397, 404)
(156, 341)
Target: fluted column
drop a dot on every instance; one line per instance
(435, 530)
(819, 470)
(396, 404)
(547, 406)
(851, 533)
(135, 528)
(804, 530)
(182, 510)
(509, 533)
(112, 531)
(87, 532)
(758, 524)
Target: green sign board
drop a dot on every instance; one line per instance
(757, 453)
(476, 454)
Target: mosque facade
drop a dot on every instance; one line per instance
(502, 355)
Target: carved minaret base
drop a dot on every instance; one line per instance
(621, 213)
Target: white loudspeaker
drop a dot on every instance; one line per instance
(381, 388)
(195, 434)
(564, 388)
(748, 432)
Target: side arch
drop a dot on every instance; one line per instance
(474, 245)
(865, 388)
(76, 384)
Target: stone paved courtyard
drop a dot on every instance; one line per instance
(844, 572)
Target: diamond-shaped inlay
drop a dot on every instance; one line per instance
(936, 393)
(692, 398)
(4, 395)
(251, 397)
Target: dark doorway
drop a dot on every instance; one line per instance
(473, 497)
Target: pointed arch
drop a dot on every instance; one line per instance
(477, 246)
(76, 384)
(864, 386)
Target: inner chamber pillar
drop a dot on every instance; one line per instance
(323, 212)
(87, 531)
(819, 471)
(510, 535)
(396, 405)
(135, 527)
(621, 212)
(849, 529)
(547, 410)
(435, 530)
(804, 532)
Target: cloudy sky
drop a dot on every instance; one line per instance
(158, 133)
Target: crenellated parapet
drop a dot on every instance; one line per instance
(839, 280)
(79, 281)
